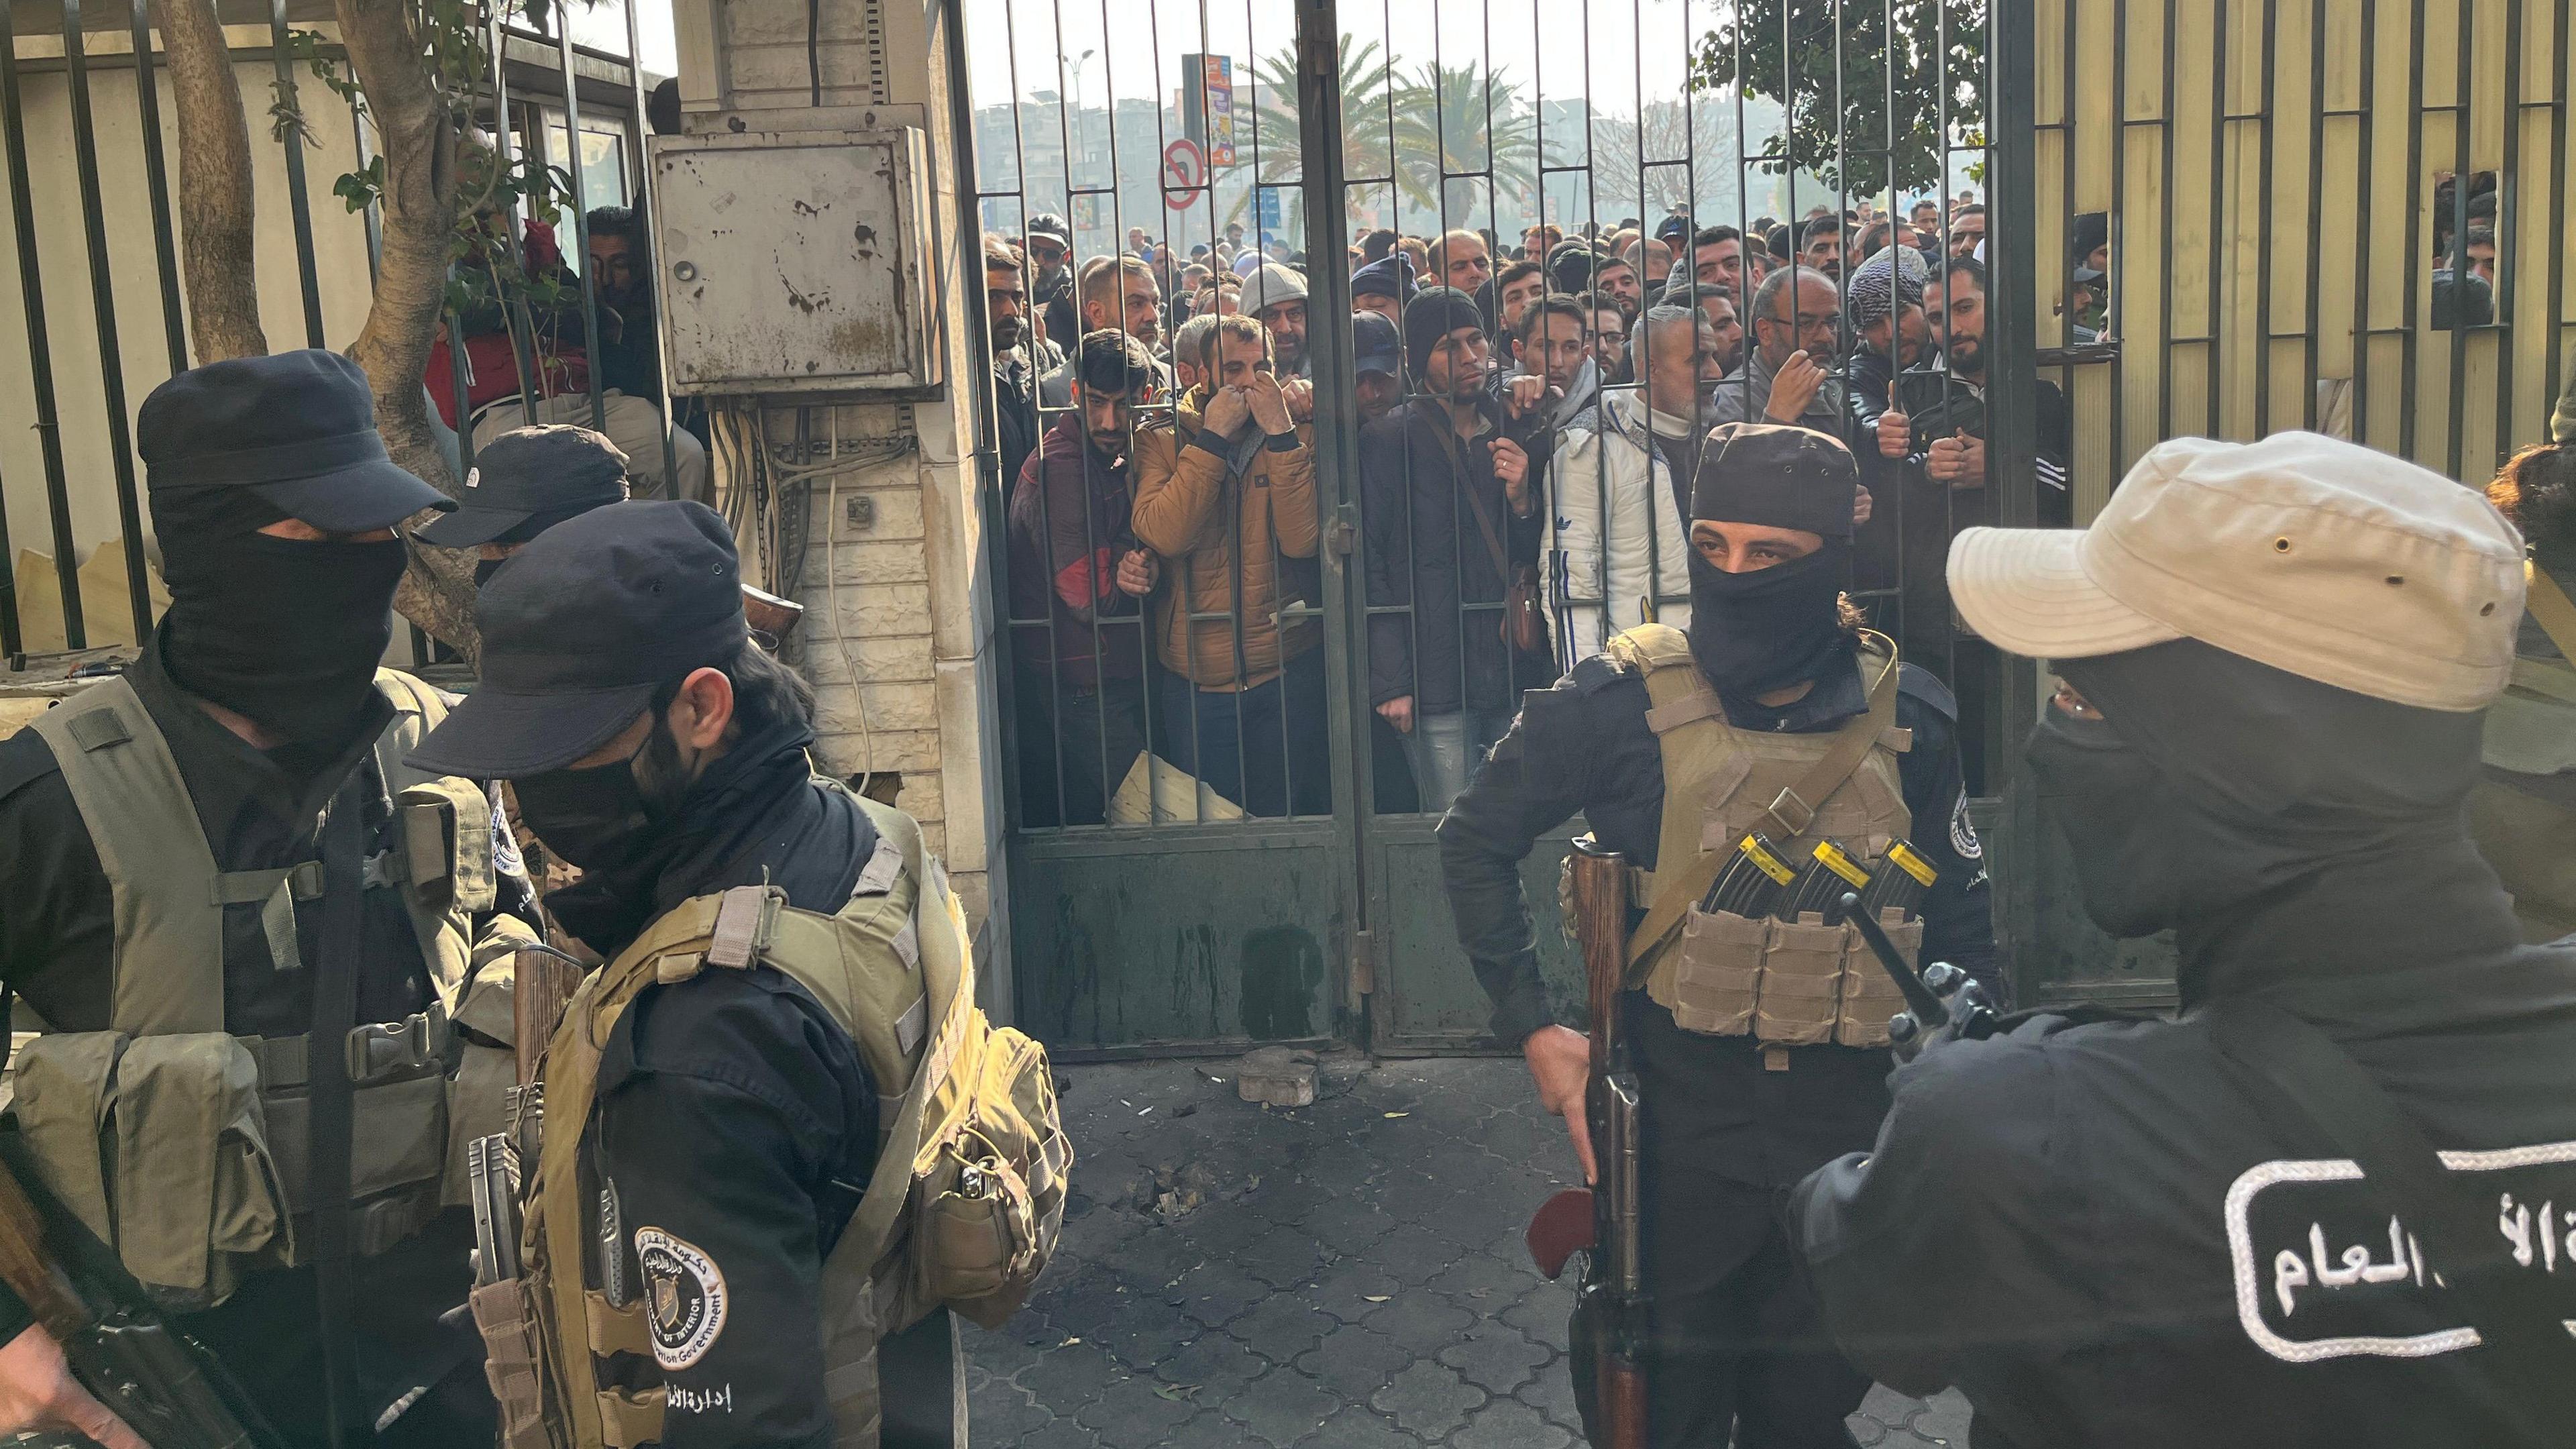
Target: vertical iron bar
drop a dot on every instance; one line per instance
(2557, 263)
(2270, 61)
(2409, 249)
(2310, 322)
(2011, 420)
(581, 226)
(111, 358)
(2461, 334)
(1337, 423)
(2508, 255)
(2365, 150)
(40, 357)
(156, 183)
(517, 322)
(640, 129)
(282, 53)
(2213, 317)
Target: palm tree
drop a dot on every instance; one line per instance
(1451, 120)
(1365, 81)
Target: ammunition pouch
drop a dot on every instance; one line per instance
(190, 1152)
(1796, 983)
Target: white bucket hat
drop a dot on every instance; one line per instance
(2318, 557)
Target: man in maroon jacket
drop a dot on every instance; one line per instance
(1077, 578)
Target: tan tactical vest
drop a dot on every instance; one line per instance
(2531, 730)
(187, 1147)
(1795, 983)
(962, 1210)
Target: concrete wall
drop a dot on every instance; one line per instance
(903, 658)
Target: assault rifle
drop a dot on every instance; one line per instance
(165, 1385)
(1604, 1220)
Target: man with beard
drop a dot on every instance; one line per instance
(1077, 578)
(1450, 519)
(1275, 297)
(1050, 251)
(2523, 812)
(1748, 1082)
(2305, 1210)
(1717, 258)
(1621, 551)
(1718, 305)
(225, 846)
(1015, 374)
(720, 1092)
(1609, 334)
(1117, 293)
(1785, 377)
(1942, 406)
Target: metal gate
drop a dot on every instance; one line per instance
(1164, 918)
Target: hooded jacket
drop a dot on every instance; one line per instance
(1230, 539)
(1620, 540)
(2089, 1223)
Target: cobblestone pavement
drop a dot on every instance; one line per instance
(1346, 1275)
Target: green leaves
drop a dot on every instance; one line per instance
(1834, 69)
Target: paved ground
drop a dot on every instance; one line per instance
(1346, 1275)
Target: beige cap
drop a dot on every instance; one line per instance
(2318, 557)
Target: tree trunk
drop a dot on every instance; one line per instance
(416, 135)
(218, 256)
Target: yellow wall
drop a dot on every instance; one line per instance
(2161, 111)
(339, 239)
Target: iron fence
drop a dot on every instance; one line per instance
(522, 56)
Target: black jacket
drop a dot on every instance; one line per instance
(736, 1117)
(1583, 747)
(57, 935)
(1015, 415)
(1435, 589)
(2086, 1225)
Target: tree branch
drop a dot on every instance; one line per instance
(218, 255)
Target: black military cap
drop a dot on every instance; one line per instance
(581, 629)
(1777, 476)
(297, 428)
(541, 475)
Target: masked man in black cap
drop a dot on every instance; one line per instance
(1759, 1056)
(233, 903)
(2332, 1202)
(783, 958)
(524, 482)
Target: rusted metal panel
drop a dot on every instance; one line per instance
(791, 261)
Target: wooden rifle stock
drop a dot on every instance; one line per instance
(1615, 1286)
(29, 1270)
(545, 982)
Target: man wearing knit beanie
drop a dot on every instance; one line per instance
(1452, 517)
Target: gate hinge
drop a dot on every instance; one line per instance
(1363, 963)
(1342, 535)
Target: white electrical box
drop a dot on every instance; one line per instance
(792, 261)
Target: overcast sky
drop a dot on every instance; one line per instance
(1140, 54)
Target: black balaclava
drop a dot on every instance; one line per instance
(287, 632)
(1757, 632)
(647, 840)
(2217, 791)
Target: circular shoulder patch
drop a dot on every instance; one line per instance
(1963, 836)
(684, 1297)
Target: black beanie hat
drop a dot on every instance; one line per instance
(1434, 314)
(1776, 476)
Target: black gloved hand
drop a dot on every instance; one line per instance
(1971, 1012)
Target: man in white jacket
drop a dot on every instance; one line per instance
(1620, 552)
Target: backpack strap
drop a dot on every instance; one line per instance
(1682, 700)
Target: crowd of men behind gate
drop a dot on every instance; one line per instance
(1529, 415)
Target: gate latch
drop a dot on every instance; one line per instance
(1342, 534)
